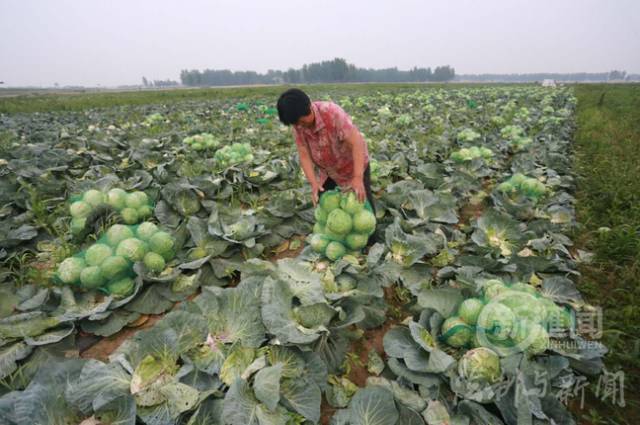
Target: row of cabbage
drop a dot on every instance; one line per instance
(473, 207)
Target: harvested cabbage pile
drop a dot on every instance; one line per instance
(199, 142)
(233, 154)
(519, 184)
(343, 225)
(107, 265)
(469, 154)
(133, 207)
(507, 319)
(515, 137)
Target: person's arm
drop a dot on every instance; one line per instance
(355, 140)
(308, 168)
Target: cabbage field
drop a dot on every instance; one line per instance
(191, 223)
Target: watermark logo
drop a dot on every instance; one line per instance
(513, 322)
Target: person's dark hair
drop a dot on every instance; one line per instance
(293, 104)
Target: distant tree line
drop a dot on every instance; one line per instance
(333, 71)
(158, 83)
(614, 75)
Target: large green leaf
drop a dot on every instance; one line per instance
(10, 355)
(150, 301)
(235, 364)
(278, 315)
(290, 358)
(303, 396)
(26, 325)
(51, 336)
(111, 325)
(267, 385)
(119, 411)
(180, 397)
(40, 404)
(397, 341)
(443, 300)
(208, 413)
(97, 385)
(233, 314)
(190, 329)
(160, 414)
(409, 248)
(277, 417)
(373, 406)
(304, 284)
(240, 405)
(74, 306)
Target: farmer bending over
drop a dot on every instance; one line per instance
(328, 143)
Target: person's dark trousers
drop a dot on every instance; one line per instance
(366, 178)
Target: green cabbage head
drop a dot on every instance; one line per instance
(480, 365)
(456, 332)
(469, 310)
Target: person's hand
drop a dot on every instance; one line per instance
(315, 193)
(358, 187)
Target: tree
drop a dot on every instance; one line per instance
(443, 73)
(337, 70)
(617, 75)
(145, 82)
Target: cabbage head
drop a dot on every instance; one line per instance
(240, 230)
(146, 230)
(480, 365)
(530, 337)
(346, 282)
(132, 249)
(506, 187)
(154, 262)
(97, 253)
(329, 201)
(121, 288)
(187, 203)
(91, 277)
(117, 198)
(80, 209)
(469, 310)
(356, 241)
(319, 243)
(364, 222)
(496, 321)
(523, 305)
(161, 243)
(93, 197)
(129, 215)
(456, 332)
(117, 233)
(350, 203)
(114, 266)
(335, 251)
(136, 199)
(69, 270)
(339, 222)
(320, 215)
(145, 212)
(493, 287)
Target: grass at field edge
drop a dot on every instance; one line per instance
(607, 165)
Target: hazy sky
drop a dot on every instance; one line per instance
(91, 42)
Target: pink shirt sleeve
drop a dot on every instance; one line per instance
(343, 124)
